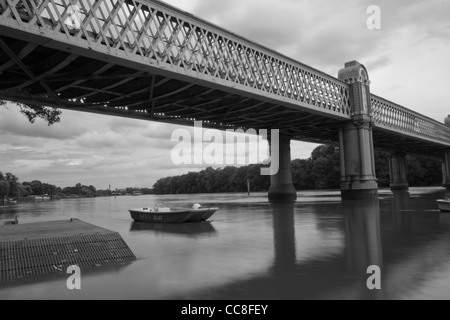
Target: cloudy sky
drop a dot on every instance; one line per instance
(408, 62)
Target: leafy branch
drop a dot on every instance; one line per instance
(32, 112)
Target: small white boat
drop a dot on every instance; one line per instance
(444, 205)
(172, 215)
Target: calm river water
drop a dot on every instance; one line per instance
(317, 248)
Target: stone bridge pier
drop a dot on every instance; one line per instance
(398, 171)
(358, 180)
(281, 187)
(446, 162)
(446, 170)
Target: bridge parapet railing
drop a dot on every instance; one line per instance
(175, 40)
(391, 116)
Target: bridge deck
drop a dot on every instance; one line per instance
(147, 60)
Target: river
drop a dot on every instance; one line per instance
(317, 248)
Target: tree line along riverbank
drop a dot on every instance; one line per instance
(12, 190)
(320, 171)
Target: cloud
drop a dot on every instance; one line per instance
(13, 123)
(161, 130)
(378, 62)
(120, 124)
(104, 140)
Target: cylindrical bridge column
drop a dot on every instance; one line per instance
(398, 172)
(281, 186)
(358, 180)
(446, 162)
(446, 170)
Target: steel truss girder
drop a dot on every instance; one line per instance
(155, 45)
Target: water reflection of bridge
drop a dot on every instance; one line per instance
(405, 246)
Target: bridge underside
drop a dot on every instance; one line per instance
(39, 75)
(36, 74)
(384, 140)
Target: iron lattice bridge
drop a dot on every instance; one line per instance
(147, 60)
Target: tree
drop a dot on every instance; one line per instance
(80, 190)
(86, 192)
(25, 190)
(14, 189)
(4, 190)
(326, 167)
(258, 182)
(49, 189)
(302, 179)
(68, 191)
(320, 171)
(382, 168)
(147, 191)
(36, 187)
(32, 112)
(424, 171)
(11, 186)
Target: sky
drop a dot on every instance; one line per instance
(408, 61)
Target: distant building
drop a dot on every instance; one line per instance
(119, 192)
(41, 198)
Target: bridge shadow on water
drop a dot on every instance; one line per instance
(399, 233)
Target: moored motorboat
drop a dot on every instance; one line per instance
(444, 205)
(172, 215)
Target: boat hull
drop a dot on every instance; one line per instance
(175, 216)
(184, 229)
(444, 205)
